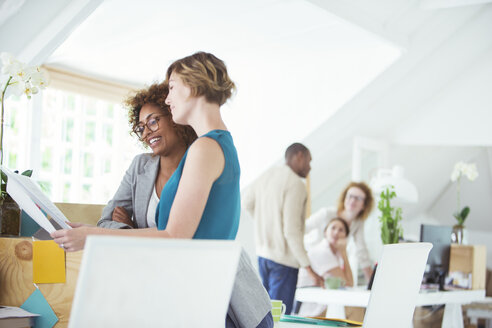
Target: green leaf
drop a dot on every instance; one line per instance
(4, 177)
(390, 218)
(465, 212)
(27, 173)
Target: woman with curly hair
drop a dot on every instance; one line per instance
(201, 199)
(135, 202)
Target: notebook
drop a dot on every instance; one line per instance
(154, 282)
(319, 321)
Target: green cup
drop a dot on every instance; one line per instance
(334, 282)
(278, 308)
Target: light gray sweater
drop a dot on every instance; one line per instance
(277, 201)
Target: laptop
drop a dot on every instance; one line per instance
(154, 282)
(396, 285)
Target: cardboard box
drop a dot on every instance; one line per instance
(469, 259)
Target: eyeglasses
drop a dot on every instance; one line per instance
(152, 124)
(357, 198)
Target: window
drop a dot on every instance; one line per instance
(68, 131)
(67, 164)
(66, 192)
(46, 159)
(84, 144)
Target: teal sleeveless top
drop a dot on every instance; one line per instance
(220, 219)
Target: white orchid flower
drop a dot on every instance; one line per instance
(6, 57)
(16, 88)
(455, 175)
(30, 90)
(462, 168)
(13, 67)
(17, 79)
(39, 78)
(457, 171)
(471, 172)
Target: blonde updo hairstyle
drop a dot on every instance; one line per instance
(206, 75)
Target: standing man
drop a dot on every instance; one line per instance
(277, 201)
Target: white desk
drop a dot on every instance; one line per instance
(338, 298)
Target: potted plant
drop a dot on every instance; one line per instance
(19, 79)
(390, 218)
(470, 171)
(10, 213)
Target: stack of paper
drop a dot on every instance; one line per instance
(11, 316)
(30, 199)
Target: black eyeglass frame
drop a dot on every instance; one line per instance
(142, 125)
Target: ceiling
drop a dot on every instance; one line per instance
(294, 63)
(413, 73)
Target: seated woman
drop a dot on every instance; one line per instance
(201, 199)
(328, 259)
(354, 205)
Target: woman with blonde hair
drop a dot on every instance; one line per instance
(354, 206)
(201, 199)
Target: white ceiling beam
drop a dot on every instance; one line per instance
(34, 31)
(365, 19)
(441, 4)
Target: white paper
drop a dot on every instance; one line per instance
(40, 198)
(15, 191)
(15, 312)
(30, 199)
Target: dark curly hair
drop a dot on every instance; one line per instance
(156, 95)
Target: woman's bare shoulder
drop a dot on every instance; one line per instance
(206, 147)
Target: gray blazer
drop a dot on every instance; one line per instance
(249, 302)
(133, 193)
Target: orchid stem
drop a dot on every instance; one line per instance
(458, 194)
(1, 122)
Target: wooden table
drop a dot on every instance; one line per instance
(16, 278)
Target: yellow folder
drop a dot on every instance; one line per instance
(48, 262)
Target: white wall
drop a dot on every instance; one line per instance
(434, 106)
(459, 114)
(476, 194)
